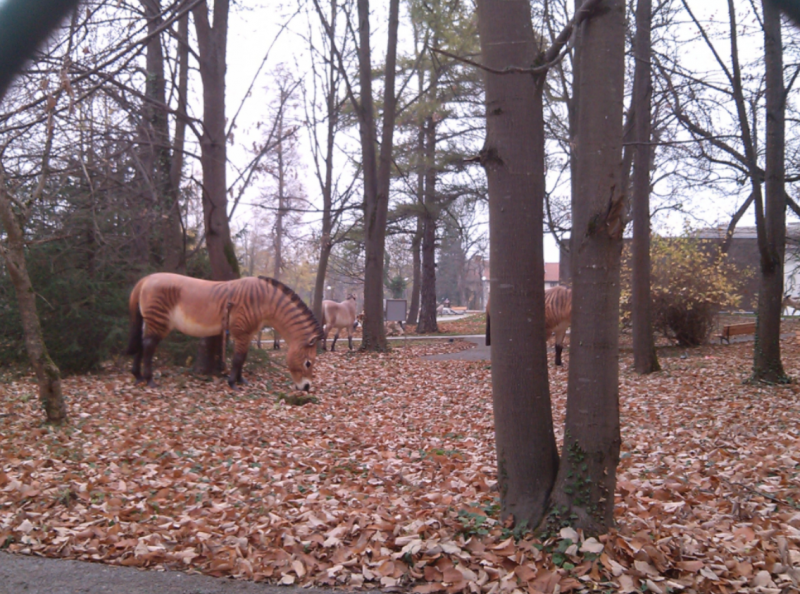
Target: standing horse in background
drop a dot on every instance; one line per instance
(787, 302)
(163, 302)
(339, 315)
(557, 316)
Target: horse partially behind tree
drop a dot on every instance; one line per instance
(557, 316)
(338, 315)
(163, 302)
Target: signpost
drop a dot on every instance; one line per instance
(395, 310)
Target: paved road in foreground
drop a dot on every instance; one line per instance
(20, 574)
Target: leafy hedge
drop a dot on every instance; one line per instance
(691, 280)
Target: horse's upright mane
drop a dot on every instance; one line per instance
(295, 298)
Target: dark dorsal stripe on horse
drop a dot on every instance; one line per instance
(295, 299)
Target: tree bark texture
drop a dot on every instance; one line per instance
(212, 43)
(644, 348)
(156, 154)
(416, 277)
(175, 241)
(513, 157)
(767, 364)
(47, 373)
(427, 315)
(377, 170)
(584, 492)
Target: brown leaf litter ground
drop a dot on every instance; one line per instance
(388, 480)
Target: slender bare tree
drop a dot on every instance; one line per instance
(767, 365)
(644, 349)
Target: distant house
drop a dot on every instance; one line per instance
(743, 253)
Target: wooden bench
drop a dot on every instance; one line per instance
(736, 330)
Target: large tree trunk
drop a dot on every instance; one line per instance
(584, 492)
(513, 157)
(212, 42)
(47, 373)
(644, 348)
(767, 364)
(427, 316)
(376, 172)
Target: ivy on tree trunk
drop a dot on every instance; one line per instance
(584, 491)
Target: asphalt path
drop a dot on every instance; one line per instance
(481, 352)
(22, 574)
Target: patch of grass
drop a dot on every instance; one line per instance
(297, 400)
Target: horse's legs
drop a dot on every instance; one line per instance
(335, 338)
(325, 331)
(559, 345)
(149, 344)
(276, 342)
(350, 339)
(137, 366)
(236, 369)
(237, 362)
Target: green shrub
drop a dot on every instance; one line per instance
(691, 279)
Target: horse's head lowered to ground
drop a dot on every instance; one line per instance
(300, 361)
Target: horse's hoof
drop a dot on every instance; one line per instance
(242, 382)
(151, 384)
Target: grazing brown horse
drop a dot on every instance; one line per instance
(163, 302)
(557, 316)
(338, 315)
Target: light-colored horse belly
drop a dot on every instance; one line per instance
(561, 330)
(179, 320)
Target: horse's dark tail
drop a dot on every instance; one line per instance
(136, 330)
